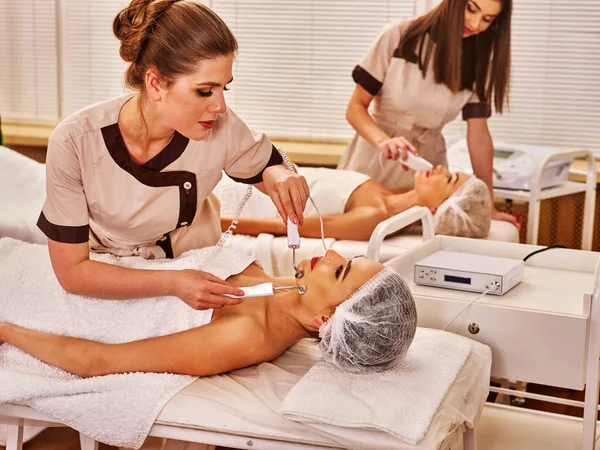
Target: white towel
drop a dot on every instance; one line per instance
(401, 401)
(259, 248)
(23, 190)
(116, 409)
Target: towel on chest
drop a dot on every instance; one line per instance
(400, 401)
(116, 409)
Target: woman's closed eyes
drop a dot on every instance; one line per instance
(473, 9)
(208, 93)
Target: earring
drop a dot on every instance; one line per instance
(302, 289)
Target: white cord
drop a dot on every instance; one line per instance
(290, 166)
(470, 303)
(236, 216)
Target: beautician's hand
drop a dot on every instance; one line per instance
(396, 147)
(498, 215)
(202, 290)
(288, 191)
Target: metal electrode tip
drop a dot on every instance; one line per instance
(302, 289)
(299, 273)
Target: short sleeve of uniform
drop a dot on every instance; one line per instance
(476, 109)
(370, 72)
(249, 152)
(64, 216)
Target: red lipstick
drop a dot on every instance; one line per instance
(314, 261)
(207, 124)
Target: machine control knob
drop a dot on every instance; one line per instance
(473, 328)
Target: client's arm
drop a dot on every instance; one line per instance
(356, 224)
(206, 350)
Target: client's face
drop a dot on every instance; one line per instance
(437, 185)
(332, 278)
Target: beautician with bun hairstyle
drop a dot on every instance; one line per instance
(134, 175)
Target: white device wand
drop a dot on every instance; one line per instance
(292, 228)
(265, 289)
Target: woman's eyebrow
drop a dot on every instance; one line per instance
(212, 83)
(472, 2)
(479, 8)
(347, 271)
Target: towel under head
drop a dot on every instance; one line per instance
(401, 401)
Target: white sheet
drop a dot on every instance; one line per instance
(247, 403)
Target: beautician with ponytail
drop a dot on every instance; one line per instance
(134, 175)
(418, 76)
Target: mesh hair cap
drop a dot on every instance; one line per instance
(467, 213)
(372, 329)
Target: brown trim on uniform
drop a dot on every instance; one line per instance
(165, 243)
(371, 84)
(476, 111)
(274, 160)
(185, 181)
(411, 57)
(63, 233)
(169, 154)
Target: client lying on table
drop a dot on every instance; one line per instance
(363, 313)
(352, 205)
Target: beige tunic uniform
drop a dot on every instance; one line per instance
(96, 192)
(405, 104)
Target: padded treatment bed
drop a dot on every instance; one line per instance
(241, 409)
(22, 187)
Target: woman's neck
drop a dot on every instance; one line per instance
(397, 203)
(287, 305)
(144, 134)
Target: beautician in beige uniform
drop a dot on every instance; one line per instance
(134, 175)
(418, 76)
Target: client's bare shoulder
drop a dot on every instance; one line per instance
(245, 338)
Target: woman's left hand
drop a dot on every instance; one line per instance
(499, 215)
(289, 192)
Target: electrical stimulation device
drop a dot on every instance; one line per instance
(469, 272)
(515, 164)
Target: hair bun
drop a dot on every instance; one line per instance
(133, 23)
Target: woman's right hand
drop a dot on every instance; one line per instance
(202, 290)
(396, 147)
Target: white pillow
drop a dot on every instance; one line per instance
(401, 401)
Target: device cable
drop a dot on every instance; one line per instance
(492, 287)
(543, 250)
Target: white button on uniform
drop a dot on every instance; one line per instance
(183, 224)
(187, 185)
